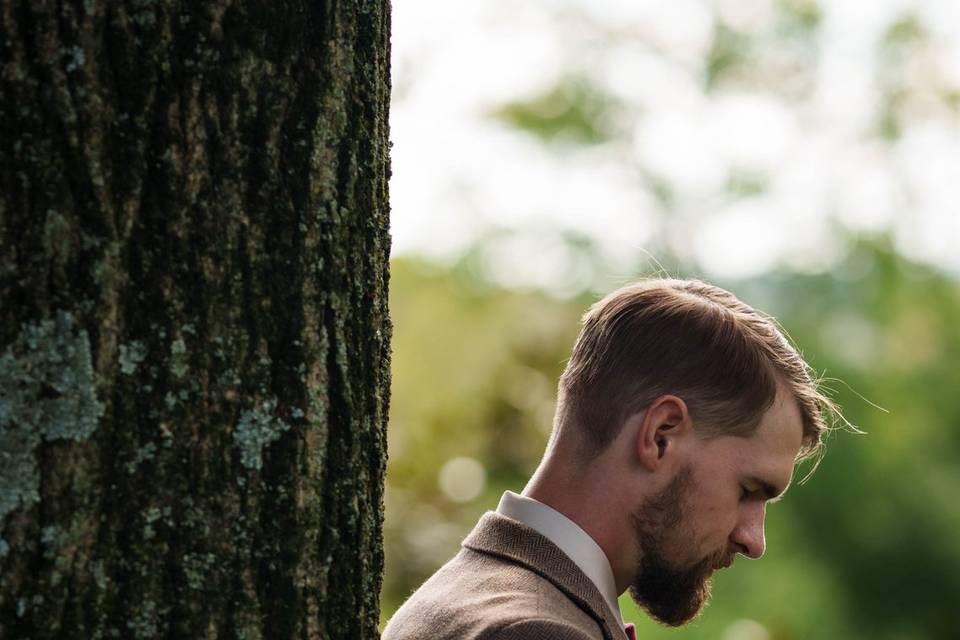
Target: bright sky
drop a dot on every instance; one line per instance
(803, 118)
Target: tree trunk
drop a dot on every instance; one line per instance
(194, 338)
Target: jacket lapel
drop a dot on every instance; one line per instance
(506, 538)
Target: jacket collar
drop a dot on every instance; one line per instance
(506, 538)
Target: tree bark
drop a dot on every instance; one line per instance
(194, 335)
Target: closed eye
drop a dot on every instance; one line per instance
(755, 489)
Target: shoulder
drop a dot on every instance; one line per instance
(537, 628)
(479, 596)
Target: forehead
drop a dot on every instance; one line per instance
(773, 448)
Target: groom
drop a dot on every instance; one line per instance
(680, 415)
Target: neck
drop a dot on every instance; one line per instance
(581, 492)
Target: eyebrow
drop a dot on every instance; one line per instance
(773, 493)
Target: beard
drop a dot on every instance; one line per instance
(670, 593)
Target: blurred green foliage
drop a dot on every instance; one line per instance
(867, 548)
(575, 111)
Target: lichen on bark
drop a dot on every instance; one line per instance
(47, 392)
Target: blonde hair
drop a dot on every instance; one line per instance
(691, 339)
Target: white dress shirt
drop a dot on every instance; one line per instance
(569, 537)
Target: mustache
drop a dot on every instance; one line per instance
(720, 559)
(716, 560)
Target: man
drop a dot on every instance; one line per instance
(680, 415)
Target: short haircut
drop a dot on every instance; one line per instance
(690, 339)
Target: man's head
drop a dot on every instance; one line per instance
(685, 410)
(691, 339)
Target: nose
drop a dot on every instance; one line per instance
(748, 537)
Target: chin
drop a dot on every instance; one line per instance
(673, 600)
(678, 615)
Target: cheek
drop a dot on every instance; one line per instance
(715, 520)
(713, 508)
(698, 526)
(717, 503)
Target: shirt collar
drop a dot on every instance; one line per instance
(569, 537)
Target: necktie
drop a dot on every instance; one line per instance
(631, 631)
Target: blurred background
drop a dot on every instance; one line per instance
(803, 154)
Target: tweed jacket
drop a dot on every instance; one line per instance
(508, 582)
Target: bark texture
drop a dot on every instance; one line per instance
(194, 336)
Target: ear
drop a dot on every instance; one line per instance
(660, 427)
